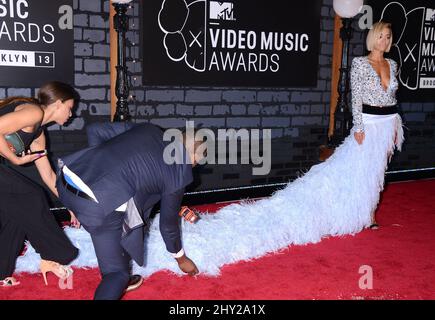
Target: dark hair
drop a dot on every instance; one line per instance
(53, 91)
(47, 94)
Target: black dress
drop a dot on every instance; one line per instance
(25, 213)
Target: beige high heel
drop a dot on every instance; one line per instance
(374, 225)
(62, 272)
(9, 282)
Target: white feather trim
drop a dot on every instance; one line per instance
(333, 198)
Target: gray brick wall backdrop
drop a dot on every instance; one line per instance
(298, 117)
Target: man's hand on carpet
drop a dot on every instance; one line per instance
(187, 266)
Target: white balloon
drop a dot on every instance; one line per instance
(347, 8)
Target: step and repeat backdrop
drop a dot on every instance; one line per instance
(413, 23)
(240, 43)
(36, 42)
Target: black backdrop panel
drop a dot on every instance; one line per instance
(239, 43)
(414, 38)
(36, 42)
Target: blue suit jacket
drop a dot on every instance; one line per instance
(125, 161)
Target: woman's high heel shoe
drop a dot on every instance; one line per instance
(9, 282)
(62, 272)
(374, 226)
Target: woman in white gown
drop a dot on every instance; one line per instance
(336, 197)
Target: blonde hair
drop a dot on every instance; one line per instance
(374, 33)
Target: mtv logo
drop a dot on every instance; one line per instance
(221, 10)
(430, 14)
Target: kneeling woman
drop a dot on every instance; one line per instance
(24, 210)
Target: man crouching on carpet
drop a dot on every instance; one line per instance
(112, 187)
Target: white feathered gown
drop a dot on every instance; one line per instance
(335, 197)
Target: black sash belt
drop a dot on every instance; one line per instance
(72, 189)
(379, 110)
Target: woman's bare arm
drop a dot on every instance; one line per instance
(28, 116)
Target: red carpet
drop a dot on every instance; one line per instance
(401, 254)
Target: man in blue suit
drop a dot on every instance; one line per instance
(112, 186)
